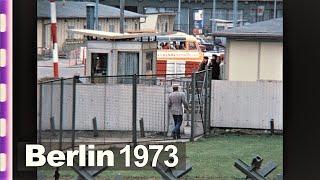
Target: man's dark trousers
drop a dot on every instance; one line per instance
(177, 123)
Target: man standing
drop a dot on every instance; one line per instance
(202, 65)
(175, 101)
(215, 67)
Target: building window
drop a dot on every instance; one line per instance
(267, 14)
(128, 64)
(166, 27)
(230, 14)
(192, 46)
(152, 10)
(125, 26)
(149, 61)
(100, 62)
(221, 14)
(70, 34)
(279, 13)
(111, 28)
(253, 16)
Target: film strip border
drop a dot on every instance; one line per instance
(5, 89)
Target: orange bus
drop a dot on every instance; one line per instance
(178, 53)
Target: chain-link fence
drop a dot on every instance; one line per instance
(119, 109)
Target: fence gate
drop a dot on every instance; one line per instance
(200, 102)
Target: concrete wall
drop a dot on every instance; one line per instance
(240, 104)
(254, 60)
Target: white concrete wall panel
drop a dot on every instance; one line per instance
(111, 104)
(243, 60)
(271, 61)
(240, 104)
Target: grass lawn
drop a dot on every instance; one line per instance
(213, 158)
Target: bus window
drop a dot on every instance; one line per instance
(192, 46)
(166, 46)
(182, 46)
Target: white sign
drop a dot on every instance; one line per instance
(260, 10)
(198, 15)
(176, 54)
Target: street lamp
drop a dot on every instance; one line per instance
(213, 16)
(235, 13)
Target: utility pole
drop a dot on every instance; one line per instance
(235, 13)
(96, 24)
(213, 16)
(122, 2)
(55, 56)
(275, 9)
(179, 15)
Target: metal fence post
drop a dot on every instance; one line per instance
(209, 99)
(61, 113)
(40, 114)
(52, 126)
(74, 110)
(95, 127)
(188, 100)
(193, 105)
(134, 110)
(206, 102)
(142, 134)
(271, 126)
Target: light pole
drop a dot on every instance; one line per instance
(179, 15)
(122, 2)
(96, 27)
(213, 16)
(235, 13)
(275, 9)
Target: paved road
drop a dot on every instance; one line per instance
(45, 69)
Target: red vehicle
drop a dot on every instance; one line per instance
(178, 53)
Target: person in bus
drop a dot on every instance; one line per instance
(177, 46)
(182, 46)
(161, 45)
(175, 101)
(166, 46)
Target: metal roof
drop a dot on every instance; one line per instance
(73, 9)
(271, 29)
(110, 35)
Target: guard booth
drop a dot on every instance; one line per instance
(115, 54)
